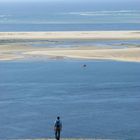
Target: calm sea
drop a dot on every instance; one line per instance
(99, 101)
(69, 16)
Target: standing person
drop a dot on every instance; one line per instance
(57, 128)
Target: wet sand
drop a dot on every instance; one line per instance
(15, 51)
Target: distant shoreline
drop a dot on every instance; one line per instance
(18, 50)
(72, 35)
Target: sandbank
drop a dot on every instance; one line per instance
(72, 35)
(15, 51)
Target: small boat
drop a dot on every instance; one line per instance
(84, 65)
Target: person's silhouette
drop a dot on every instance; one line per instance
(57, 128)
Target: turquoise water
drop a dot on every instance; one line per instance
(101, 100)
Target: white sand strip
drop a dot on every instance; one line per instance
(72, 35)
(128, 54)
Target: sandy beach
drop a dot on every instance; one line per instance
(14, 46)
(72, 35)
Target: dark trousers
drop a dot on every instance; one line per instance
(57, 134)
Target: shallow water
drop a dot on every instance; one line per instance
(86, 43)
(72, 43)
(99, 101)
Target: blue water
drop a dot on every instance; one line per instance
(68, 27)
(99, 101)
(69, 16)
(64, 43)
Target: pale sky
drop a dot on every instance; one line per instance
(70, 1)
(89, 4)
(130, 4)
